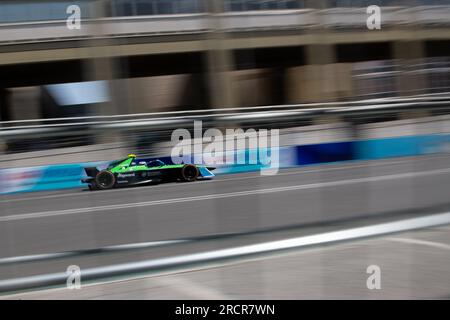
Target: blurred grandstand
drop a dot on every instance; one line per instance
(144, 56)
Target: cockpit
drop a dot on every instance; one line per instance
(155, 163)
(132, 161)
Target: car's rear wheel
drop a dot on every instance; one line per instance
(105, 180)
(189, 173)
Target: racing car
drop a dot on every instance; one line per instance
(132, 171)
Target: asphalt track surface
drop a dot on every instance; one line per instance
(295, 201)
(413, 265)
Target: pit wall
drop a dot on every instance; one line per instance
(66, 176)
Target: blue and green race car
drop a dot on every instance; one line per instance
(132, 171)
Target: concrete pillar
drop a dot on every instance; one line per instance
(315, 77)
(252, 87)
(104, 68)
(4, 114)
(220, 61)
(409, 56)
(320, 54)
(159, 93)
(320, 71)
(311, 83)
(319, 83)
(5, 111)
(25, 103)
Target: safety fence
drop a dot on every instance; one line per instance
(66, 176)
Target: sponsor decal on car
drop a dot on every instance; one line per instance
(125, 175)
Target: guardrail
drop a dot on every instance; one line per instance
(199, 260)
(252, 115)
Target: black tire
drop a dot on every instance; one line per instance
(105, 180)
(93, 186)
(189, 173)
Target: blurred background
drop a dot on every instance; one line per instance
(138, 69)
(138, 57)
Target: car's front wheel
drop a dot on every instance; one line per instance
(189, 173)
(105, 180)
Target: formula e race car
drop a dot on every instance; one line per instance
(132, 171)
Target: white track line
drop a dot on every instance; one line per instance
(63, 212)
(290, 172)
(421, 242)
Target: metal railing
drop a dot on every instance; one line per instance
(371, 107)
(145, 132)
(223, 256)
(202, 22)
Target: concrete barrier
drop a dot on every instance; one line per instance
(65, 176)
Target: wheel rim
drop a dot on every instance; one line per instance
(190, 173)
(104, 180)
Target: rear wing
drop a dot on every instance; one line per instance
(91, 171)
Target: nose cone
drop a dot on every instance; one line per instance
(131, 156)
